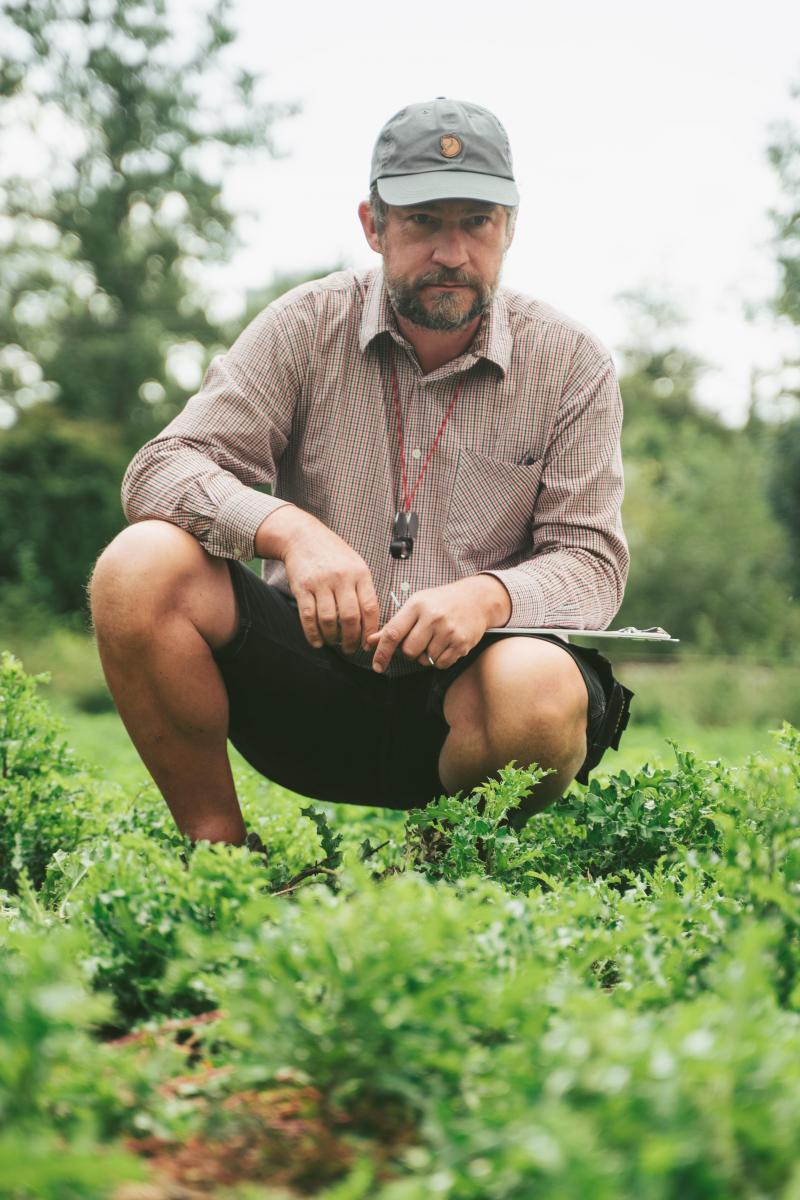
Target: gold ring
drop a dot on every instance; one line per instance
(431, 660)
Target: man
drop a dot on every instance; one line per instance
(444, 458)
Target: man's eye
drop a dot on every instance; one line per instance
(420, 218)
(479, 219)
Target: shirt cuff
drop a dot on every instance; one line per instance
(234, 530)
(528, 605)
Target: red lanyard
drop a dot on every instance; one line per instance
(409, 496)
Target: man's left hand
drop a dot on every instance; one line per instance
(442, 623)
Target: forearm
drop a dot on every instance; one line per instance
(170, 481)
(569, 588)
(202, 471)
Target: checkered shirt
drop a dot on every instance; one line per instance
(526, 482)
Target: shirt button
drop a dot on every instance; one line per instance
(238, 552)
(405, 585)
(416, 452)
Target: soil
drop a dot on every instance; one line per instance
(285, 1135)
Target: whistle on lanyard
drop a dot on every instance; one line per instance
(403, 533)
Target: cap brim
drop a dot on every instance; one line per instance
(446, 185)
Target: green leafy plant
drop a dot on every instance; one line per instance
(43, 802)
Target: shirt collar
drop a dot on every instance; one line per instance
(493, 341)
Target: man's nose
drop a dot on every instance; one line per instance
(451, 248)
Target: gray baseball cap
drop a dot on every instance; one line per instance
(443, 150)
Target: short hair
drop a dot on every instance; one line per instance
(380, 213)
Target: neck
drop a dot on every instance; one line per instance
(433, 347)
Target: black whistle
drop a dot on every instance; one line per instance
(403, 534)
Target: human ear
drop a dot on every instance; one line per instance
(368, 225)
(511, 225)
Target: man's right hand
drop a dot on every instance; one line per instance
(329, 580)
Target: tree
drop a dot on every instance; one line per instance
(784, 154)
(59, 506)
(784, 488)
(659, 379)
(708, 558)
(99, 277)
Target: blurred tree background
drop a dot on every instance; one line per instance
(711, 552)
(105, 329)
(103, 317)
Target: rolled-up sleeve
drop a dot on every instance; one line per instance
(575, 573)
(200, 472)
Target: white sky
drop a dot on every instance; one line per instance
(639, 133)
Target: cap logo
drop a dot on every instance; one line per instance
(450, 145)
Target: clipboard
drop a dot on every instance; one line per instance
(653, 634)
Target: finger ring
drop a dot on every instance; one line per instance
(431, 660)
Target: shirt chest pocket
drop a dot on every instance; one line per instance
(491, 506)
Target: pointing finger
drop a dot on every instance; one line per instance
(389, 638)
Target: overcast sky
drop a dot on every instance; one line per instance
(639, 133)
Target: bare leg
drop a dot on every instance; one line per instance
(160, 603)
(525, 700)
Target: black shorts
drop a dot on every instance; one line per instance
(321, 726)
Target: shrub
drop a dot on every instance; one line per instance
(43, 801)
(59, 1091)
(59, 504)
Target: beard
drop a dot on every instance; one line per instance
(445, 314)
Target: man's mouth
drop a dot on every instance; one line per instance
(449, 287)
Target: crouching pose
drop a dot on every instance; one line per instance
(443, 458)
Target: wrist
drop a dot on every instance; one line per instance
(496, 601)
(277, 531)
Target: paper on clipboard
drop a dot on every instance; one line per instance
(654, 634)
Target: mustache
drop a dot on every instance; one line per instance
(447, 275)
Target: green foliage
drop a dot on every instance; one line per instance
(784, 486)
(42, 804)
(605, 1002)
(59, 505)
(727, 598)
(458, 836)
(709, 560)
(659, 381)
(133, 895)
(628, 824)
(359, 993)
(784, 155)
(59, 1091)
(604, 1102)
(99, 281)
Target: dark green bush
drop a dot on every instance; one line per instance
(59, 506)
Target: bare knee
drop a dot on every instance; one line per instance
(139, 562)
(533, 693)
(525, 702)
(153, 570)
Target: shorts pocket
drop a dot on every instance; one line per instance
(491, 508)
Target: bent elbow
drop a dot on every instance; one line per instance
(137, 494)
(131, 492)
